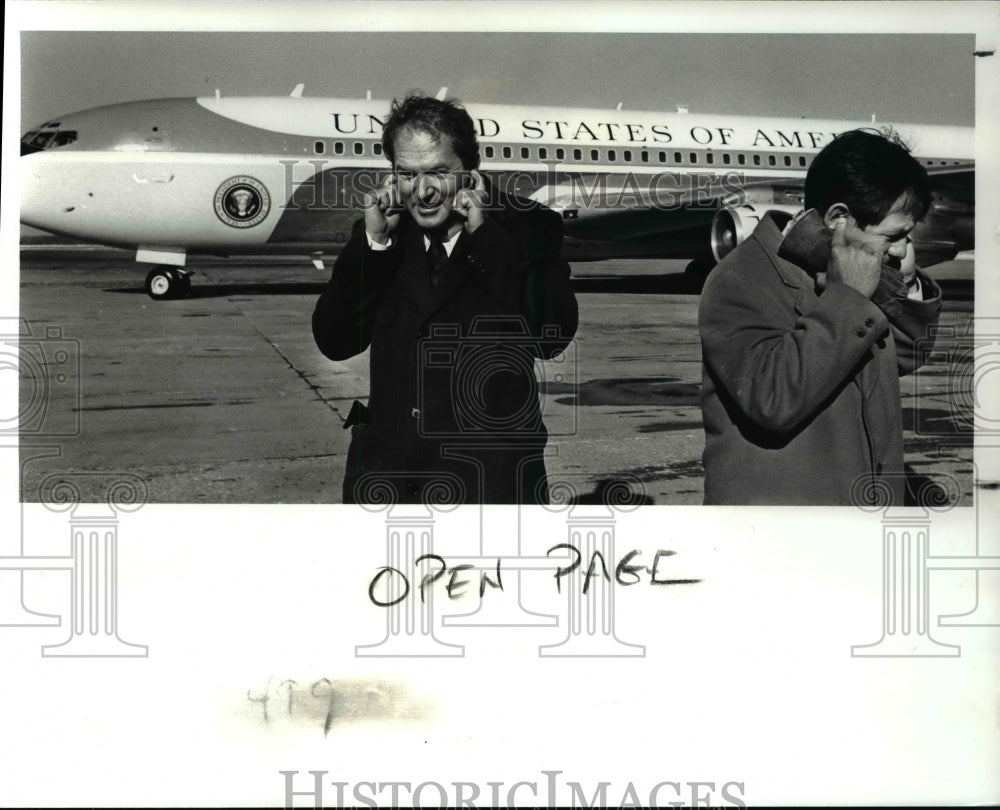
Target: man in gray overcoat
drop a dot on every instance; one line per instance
(805, 331)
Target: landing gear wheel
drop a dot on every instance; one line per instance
(167, 282)
(161, 283)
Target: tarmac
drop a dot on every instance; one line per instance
(223, 398)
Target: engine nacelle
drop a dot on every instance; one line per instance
(730, 226)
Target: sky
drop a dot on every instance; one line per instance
(918, 78)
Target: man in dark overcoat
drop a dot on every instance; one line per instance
(806, 330)
(457, 288)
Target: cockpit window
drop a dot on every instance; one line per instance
(41, 140)
(37, 140)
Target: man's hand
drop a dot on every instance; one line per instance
(908, 264)
(382, 210)
(852, 265)
(470, 203)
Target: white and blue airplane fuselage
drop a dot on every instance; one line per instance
(259, 175)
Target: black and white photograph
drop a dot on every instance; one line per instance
(363, 360)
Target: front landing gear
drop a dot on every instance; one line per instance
(165, 282)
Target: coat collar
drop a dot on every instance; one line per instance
(769, 236)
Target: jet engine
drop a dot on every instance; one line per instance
(730, 226)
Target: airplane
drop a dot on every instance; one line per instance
(171, 178)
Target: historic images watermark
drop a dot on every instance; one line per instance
(962, 400)
(549, 788)
(420, 590)
(956, 405)
(325, 185)
(49, 396)
(494, 373)
(474, 365)
(47, 365)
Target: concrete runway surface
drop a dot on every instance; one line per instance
(224, 398)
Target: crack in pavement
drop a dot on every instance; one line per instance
(312, 387)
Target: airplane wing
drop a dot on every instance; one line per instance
(666, 215)
(684, 216)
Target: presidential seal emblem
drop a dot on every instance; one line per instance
(242, 202)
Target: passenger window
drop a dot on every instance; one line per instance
(338, 148)
(542, 153)
(560, 154)
(525, 154)
(489, 151)
(319, 148)
(359, 148)
(507, 152)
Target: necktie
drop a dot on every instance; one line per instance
(437, 260)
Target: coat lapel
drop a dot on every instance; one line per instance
(414, 270)
(454, 277)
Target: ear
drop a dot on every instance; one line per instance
(835, 212)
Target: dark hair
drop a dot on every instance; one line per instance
(436, 118)
(867, 170)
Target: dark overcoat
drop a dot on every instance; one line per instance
(800, 391)
(453, 414)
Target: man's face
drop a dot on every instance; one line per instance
(887, 239)
(429, 174)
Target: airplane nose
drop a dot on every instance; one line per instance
(38, 205)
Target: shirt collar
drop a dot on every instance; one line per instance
(448, 246)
